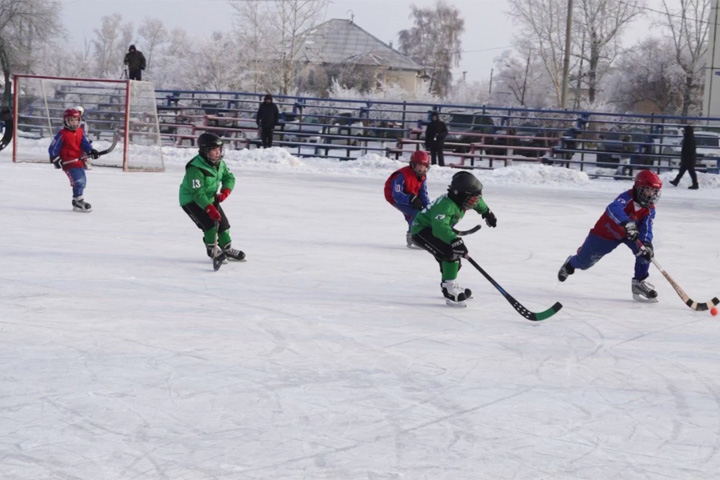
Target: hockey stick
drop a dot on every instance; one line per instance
(533, 316)
(218, 255)
(7, 119)
(700, 307)
(462, 233)
(111, 147)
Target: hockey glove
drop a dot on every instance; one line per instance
(94, 154)
(213, 213)
(490, 219)
(57, 161)
(646, 252)
(459, 249)
(631, 231)
(416, 203)
(224, 193)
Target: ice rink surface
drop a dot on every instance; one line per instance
(330, 354)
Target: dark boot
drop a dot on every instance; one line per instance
(694, 186)
(675, 182)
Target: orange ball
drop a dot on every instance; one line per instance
(713, 311)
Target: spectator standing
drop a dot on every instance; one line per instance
(688, 156)
(435, 134)
(135, 62)
(267, 118)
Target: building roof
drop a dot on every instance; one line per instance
(340, 41)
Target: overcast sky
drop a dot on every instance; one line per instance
(488, 28)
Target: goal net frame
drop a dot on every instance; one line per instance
(133, 118)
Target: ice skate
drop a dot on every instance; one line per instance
(232, 254)
(566, 270)
(80, 205)
(409, 241)
(643, 291)
(455, 296)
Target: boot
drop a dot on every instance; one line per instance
(644, 291)
(566, 270)
(80, 205)
(455, 296)
(694, 186)
(233, 254)
(409, 241)
(675, 182)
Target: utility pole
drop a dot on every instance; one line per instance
(527, 68)
(566, 59)
(491, 75)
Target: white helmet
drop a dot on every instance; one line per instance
(81, 110)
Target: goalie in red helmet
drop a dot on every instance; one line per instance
(406, 189)
(68, 151)
(626, 220)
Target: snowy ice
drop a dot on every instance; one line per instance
(330, 353)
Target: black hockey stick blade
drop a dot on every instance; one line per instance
(111, 147)
(698, 306)
(218, 255)
(218, 260)
(462, 233)
(532, 316)
(7, 119)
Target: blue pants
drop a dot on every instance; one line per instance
(409, 212)
(77, 181)
(594, 248)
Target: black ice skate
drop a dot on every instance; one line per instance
(80, 205)
(643, 291)
(232, 254)
(566, 270)
(455, 296)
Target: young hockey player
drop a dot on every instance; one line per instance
(204, 175)
(68, 151)
(406, 189)
(433, 231)
(628, 218)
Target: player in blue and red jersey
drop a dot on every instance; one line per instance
(67, 151)
(627, 219)
(406, 189)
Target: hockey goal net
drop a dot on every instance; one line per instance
(119, 111)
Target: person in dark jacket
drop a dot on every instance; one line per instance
(688, 155)
(266, 118)
(135, 62)
(435, 134)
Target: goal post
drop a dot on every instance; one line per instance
(125, 109)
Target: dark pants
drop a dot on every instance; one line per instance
(135, 74)
(203, 220)
(439, 249)
(437, 157)
(266, 135)
(687, 168)
(594, 248)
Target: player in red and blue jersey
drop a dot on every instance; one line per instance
(68, 150)
(406, 189)
(626, 220)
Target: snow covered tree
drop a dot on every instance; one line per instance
(688, 27)
(434, 42)
(153, 35)
(25, 26)
(110, 45)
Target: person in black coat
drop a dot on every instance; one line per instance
(688, 155)
(135, 61)
(267, 117)
(435, 134)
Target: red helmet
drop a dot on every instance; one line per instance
(646, 191)
(420, 162)
(67, 115)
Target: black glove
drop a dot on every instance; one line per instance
(646, 252)
(416, 203)
(94, 154)
(490, 219)
(57, 161)
(459, 249)
(631, 231)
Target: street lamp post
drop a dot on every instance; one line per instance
(566, 58)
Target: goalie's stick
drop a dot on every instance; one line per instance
(700, 307)
(533, 316)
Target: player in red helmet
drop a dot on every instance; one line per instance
(68, 151)
(627, 219)
(406, 189)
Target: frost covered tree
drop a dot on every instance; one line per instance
(153, 36)
(688, 27)
(25, 26)
(110, 45)
(434, 42)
